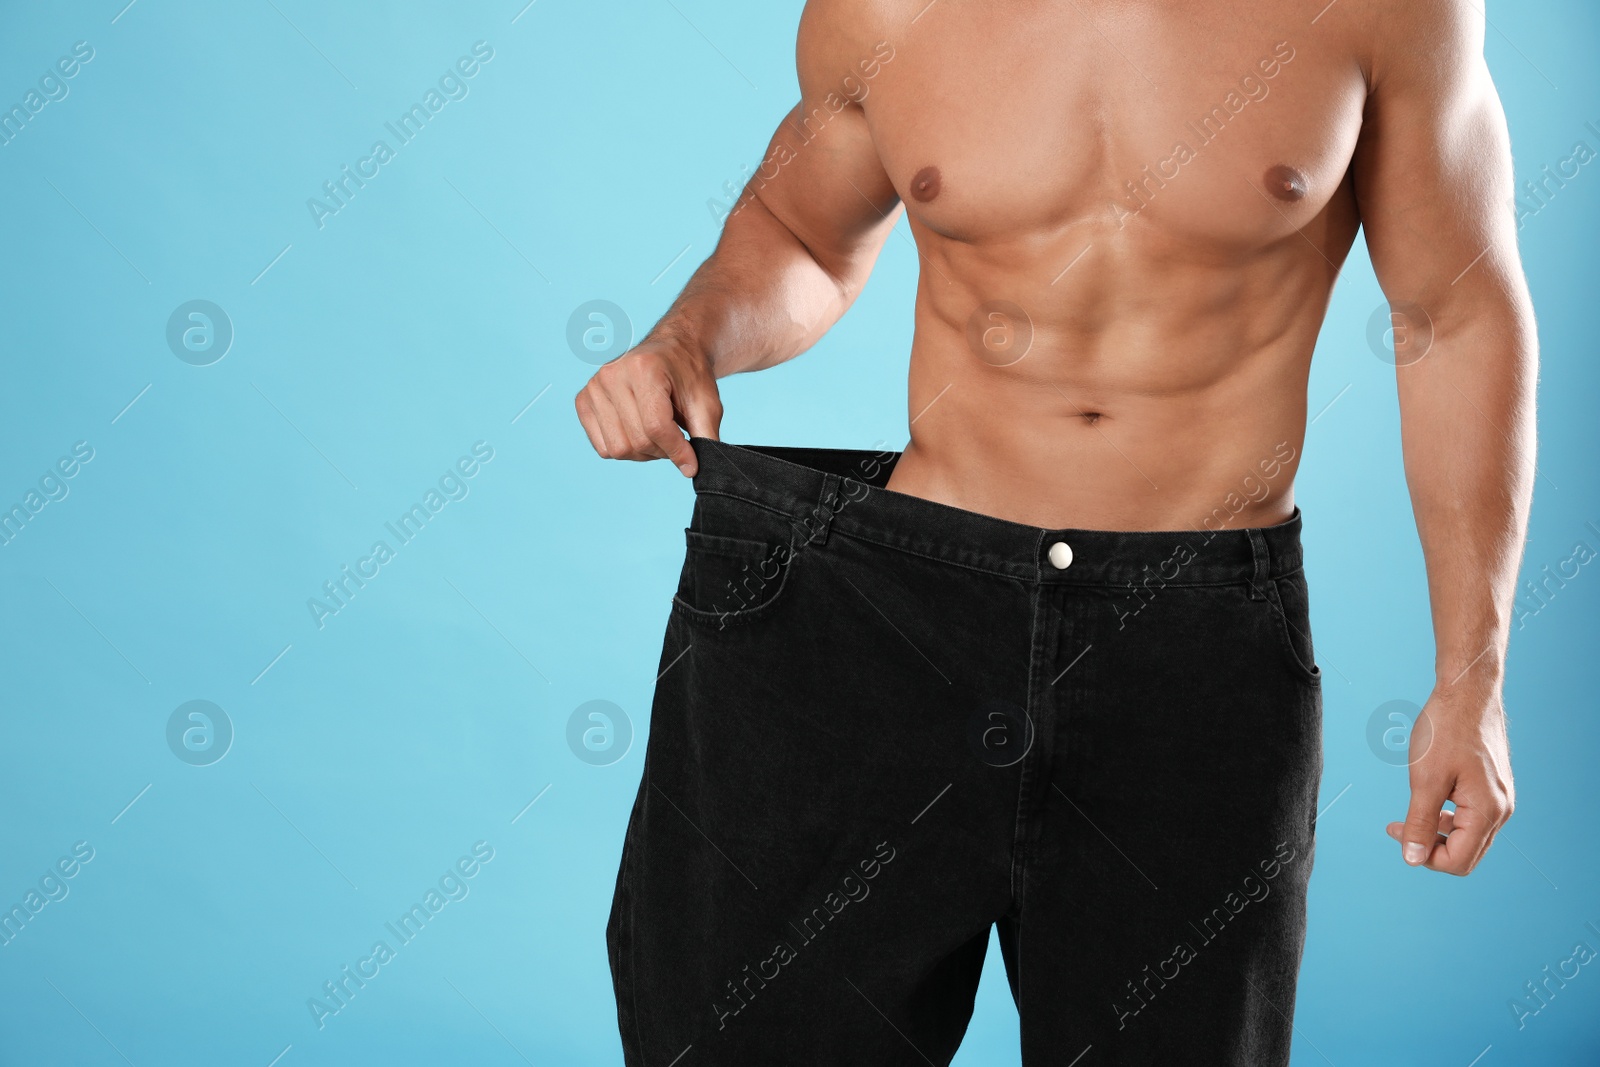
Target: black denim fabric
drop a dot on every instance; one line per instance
(884, 725)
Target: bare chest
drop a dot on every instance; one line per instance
(1224, 125)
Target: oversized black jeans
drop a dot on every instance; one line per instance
(883, 725)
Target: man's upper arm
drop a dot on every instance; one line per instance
(1432, 170)
(821, 176)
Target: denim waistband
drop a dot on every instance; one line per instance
(826, 490)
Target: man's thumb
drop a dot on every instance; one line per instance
(702, 412)
(1421, 831)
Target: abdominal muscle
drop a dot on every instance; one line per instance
(1162, 387)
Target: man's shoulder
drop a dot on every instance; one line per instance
(836, 37)
(1418, 40)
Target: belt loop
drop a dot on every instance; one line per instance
(820, 521)
(1262, 560)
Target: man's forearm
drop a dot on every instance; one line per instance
(759, 299)
(1467, 429)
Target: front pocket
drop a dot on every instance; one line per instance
(1290, 598)
(729, 579)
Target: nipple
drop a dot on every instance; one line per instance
(1286, 183)
(925, 184)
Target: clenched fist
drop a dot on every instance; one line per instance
(633, 406)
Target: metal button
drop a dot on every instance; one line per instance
(1061, 555)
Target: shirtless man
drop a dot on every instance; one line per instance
(1069, 621)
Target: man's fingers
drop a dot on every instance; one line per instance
(590, 421)
(655, 414)
(699, 410)
(1447, 821)
(1420, 835)
(702, 410)
(622, 424)
(1397, 830)
(1466, 843)
(612, 436)
(641, 445)
(1463, 836)
(633, 407)
(1479, 815)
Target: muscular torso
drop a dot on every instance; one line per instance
(1130, 217)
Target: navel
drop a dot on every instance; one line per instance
(1286, 183)
(925, 184)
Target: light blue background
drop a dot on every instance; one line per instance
(425, 716)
